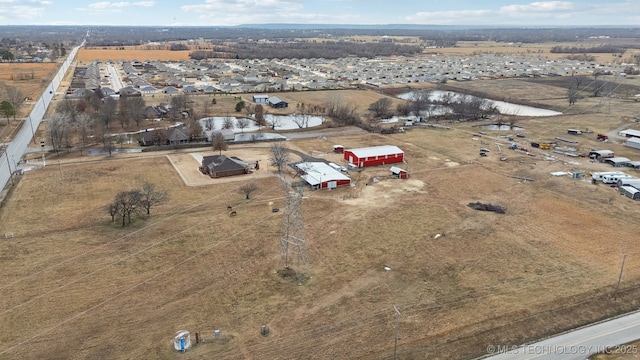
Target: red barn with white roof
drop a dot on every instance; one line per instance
(375, 155)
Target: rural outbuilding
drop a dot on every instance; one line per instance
(373, 156)
(218, 166)
(629, 133)
(277, 103)
(617, 161)
(601, 154)
(630, 192)
(321, 176)
(633, 142)
(399, 173)
(260, 99)
(338, 149)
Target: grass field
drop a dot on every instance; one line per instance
(70, 276)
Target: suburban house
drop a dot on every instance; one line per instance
(277, 103)
(260, 99)
(155, 111)
(177, 136)
(321, 176)
(129, 91)
(217, 166)
(373, 156)
(148, 90)
(399, 173)
(170, 90)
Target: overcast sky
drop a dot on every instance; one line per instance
(236, 12)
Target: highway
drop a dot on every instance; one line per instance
(577, 344)
(18, 146)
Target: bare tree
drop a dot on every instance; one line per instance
(242, 124)
(107, 111)
(151, 196)
(83, 126)
(279, 157)
(227, 123)
(275, 121)
(259, 116)
(125, 204)
(247, 189)
(15, 97)
(380, 108)
(195, 129)
(56, 129)
(132, 110)
(218, 143)
(209, 124)
(573, 95)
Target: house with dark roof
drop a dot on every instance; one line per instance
(217, 166)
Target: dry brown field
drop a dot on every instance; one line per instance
(72, 277)
(30, 78)
(129, 54)
(75, 285)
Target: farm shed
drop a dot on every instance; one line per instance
(399, 173)
(338, 149)
(617, 161)
(260, 99)
(633, 142)
(375, 155)
(601, 154)
(630, 192)
(321, 176)
(277, 103)
(217, 166)
(629, 133)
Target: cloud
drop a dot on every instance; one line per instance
(234, 12)
(104, 5)
(237, 12)
(533, 13)
(12, 9)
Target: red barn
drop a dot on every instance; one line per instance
(375, 155)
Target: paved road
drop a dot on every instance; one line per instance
(14, 151)
(577, 344)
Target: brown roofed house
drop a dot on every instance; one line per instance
(221, 165)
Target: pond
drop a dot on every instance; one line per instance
(282, 122)
(499, 127)
(504, 108)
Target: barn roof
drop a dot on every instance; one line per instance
(376, 151)
(397, 170)
(617, 160)
(316, 172)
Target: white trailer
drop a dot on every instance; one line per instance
(597, 176)
(613, 179)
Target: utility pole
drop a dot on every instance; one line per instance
(6, 153)
(395, 340)
(615, 296)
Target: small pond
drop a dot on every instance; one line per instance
(499, 127)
